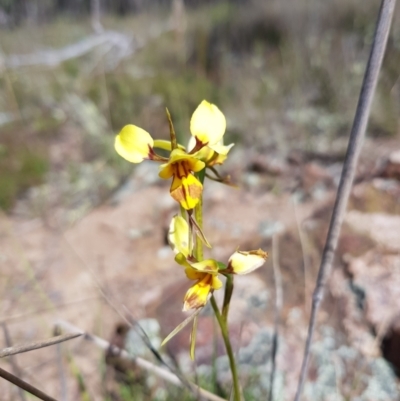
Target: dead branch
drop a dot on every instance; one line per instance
(144, 364)
(14, 366)
(25, 386)
(19, 349)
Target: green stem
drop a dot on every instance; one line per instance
(227, 296)
(225, 335)
(198, 215)
(221, 319)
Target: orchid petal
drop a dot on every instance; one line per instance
(133, 144)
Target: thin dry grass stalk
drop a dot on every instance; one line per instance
(25, 386)
(19, 349)
(142, 363)
(349, 168)
(15, 368)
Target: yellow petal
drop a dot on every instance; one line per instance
(178, 235)
(197, 295)
(133, 143)
(193, 274)
(216, 283)
(246, 262)
(195, 164)
(208, 124)
(205, 154)
(221, 149)
(206, 266)
(166, 171)
(191, 162)
(187, 191)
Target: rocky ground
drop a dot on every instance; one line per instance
(117, 256)
(83, 234)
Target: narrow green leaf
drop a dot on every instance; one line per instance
(181, 326)
(193, 337)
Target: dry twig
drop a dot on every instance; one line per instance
(36, 345)
(150, 367)
(349, 168)
(14, 366)
(25, 386)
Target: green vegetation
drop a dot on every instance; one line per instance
(278, 76)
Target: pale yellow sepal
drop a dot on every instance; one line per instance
(208, 124)
(133, 143)
(246, 262)
(178, 235)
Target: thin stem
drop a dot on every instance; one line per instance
(222, 320)
(227, 296)
(278, 310)
(349, 168)
(25, 386)
(15, 368)
(36, 345)
(231, 356)
(174, 143)
(198, 214)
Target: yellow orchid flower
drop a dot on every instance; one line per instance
(135, 145)
(206, 274)
(245, 262)
(207, 125)
(178, 235)
(186, 188)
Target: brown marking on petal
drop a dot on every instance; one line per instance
(195, 191)
(178, 194)
(193, 302)
(259, 252)
(187, 195)
(210, 269)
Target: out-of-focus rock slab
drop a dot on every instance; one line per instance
(379, 276)
(383, 228)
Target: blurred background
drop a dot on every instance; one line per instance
(82, 229)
